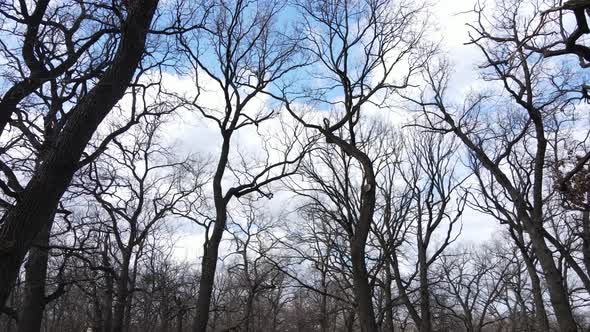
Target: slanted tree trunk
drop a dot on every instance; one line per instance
(40, 197)
(211, 248)
(208, 266)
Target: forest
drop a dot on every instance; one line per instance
(294, 165)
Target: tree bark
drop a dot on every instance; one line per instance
(358, 242)
(180, 320)
(31, 314)
(324, 323)
(208, 267)
(107, 298)
(362, 290)
(122, 294)
(24, 220)
(425, 315)
(541, 320)
(586, 233)
(554, 280)
(211, 247)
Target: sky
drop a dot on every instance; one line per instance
(191, 135)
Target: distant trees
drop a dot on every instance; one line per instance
(430, 222)
(136, 185)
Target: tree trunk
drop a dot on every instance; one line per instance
(38, 200)
(107, 305)
(107, 297)
(208, 267)
(554, 280)
(389, 325)
(249, 310)
(31, 314)
(425, 315)
(541, 320)
(97, 324)
(358, 242)
(122, 294)
(324, 303)
(349, 321)
(129, 300)
(180, 320)
(362, 290)
(211, 248)
(586, 234)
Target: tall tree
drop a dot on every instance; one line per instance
(39, 198)
(241, 52)
(541, 93)
(137, 183)
(362, 51)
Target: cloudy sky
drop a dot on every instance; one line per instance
(192, 135)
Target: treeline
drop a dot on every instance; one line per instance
(343, 185)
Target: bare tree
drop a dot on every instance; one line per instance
(425, 222)
(246, 53)
(357, 46)
(49, 42)
(39, 198)
(137, 183)
(474, 278)
(538, 96)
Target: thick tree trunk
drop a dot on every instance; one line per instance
(249, 309)
(31, 314)
(541, 320)
(122, 294)
(129, 299)
(554, 280)
(362, 289)
(38, 200)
